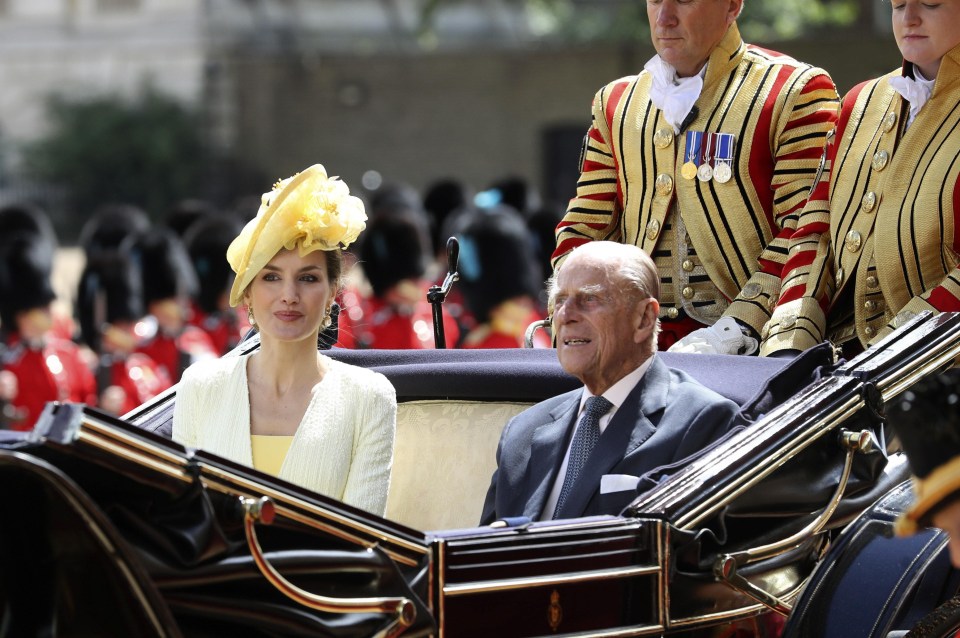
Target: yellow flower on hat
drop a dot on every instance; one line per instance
(308, 210)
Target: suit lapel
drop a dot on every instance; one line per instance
(546, 453)
(628, 429)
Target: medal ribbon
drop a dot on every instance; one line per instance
(693, 144)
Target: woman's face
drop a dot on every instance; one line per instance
(291, 296)
(926, 31)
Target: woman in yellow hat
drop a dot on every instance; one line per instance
(286, 408)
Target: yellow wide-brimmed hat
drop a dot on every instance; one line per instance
(309, 210)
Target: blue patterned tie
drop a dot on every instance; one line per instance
(584, 440)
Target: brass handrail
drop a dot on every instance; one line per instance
(263, 510)
(726, 566)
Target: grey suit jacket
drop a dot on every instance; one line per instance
(667, 417)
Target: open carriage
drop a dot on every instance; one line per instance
(110, 528)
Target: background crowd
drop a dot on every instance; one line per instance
(152, 296)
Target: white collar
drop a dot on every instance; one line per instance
(916, 90)
(673, 95)
(617, 393)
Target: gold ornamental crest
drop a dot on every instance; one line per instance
(554, 611)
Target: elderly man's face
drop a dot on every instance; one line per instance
(685, 32)
(602, 334)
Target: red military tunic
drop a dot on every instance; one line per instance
(53, 371)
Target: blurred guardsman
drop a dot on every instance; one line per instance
(704, 160)
(43, 366)
(879, 239)
(206, 243)
(30, 218)
(500, 279)
(926, 419)
(169, 284)
(109, 307)
(393, 254)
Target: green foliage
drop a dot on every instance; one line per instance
(148, 151)
(626, 20)
(790, 19)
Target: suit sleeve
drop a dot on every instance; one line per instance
(489, 513)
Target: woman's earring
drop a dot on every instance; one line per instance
(250, 319)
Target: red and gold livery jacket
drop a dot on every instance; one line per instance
(882, 231)
(725, 250)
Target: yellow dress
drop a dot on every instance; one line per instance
(269, 451)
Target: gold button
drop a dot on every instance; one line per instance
(663, 137)
(868, 331)
(872, 282)
(889, 121)
(903, 317)
(869, 201)
(751, 291)
(672, 313)
(664, 184)
(687, 292)
(870, 305)
(880, 159)
(853, 241)
(687, 265)
(839, 276)
(653, 229)
(788, 321)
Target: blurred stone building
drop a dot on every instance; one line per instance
(359, 85)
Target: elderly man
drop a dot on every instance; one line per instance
(704, 160)
(584, 452)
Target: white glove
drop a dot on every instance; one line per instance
(724, 337)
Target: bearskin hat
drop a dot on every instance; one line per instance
(186, 213)
(497, 261)
(207, 242)
(26, 264)
(394, 247)
(109, 291)
(442, 198)
(26, 217)
(165, 268)
(110, 225)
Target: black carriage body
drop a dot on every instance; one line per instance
(713, 542)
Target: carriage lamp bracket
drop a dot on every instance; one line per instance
(436, 295)
(532, 329)
(262, 510)
(726, 566)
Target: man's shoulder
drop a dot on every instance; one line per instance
(769, 57)
(685, 388)
(548, 405)
(623, 83)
